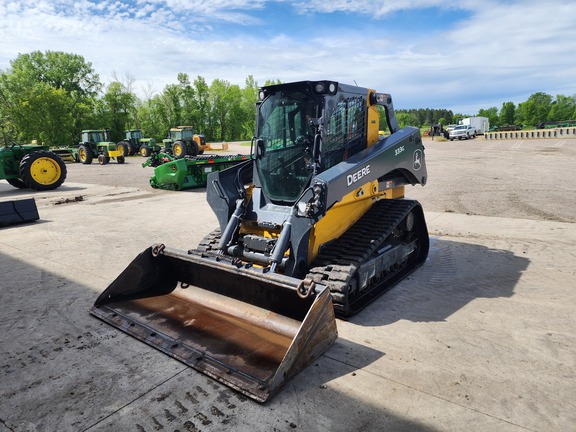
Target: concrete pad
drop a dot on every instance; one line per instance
(480, 338)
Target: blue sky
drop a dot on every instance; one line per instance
(460, 55)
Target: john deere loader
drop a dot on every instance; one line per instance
(313, 225)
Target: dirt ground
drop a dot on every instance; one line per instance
(509, 178)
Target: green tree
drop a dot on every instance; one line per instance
(187, 100)
(249, 99)
(491, 114)
(116, 107)
(535, 109)
(60, 70)
(155, 119)
(382, 124)
(236, 115)
(172, 102)
(220, 107)
(202, 98)
(42, 114)
(458, 117)
(406, 119)
(563, 108)
(427, 116)
(50, 84)
(507, 114)
(272, 82)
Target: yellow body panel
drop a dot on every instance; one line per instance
(346, 213)
(373, 135)
(256, 230)
(115, 153)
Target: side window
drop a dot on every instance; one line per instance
(346, 131)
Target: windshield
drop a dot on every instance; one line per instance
(287, 137)
(98, 137)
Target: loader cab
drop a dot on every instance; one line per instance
(285, 143)
(302, 129)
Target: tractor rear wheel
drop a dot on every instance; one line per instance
(179, 149)
(42, 170)
(195, 150)
(144, 151)
(124, 147)
(85, 154)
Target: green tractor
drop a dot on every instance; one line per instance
(182, 141)
(31, 166)
(134, 143)
(96, 143)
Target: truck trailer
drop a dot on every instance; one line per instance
(481, 124)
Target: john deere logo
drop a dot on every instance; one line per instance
(417, 159)
(354, 177)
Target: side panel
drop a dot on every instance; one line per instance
(224, 188)
(346, 213)
(401, 154)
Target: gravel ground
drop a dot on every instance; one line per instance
(528, 179)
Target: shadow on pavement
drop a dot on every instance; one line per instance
(62, 369)
(454, 275)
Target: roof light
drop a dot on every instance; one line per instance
(326, 87)
(381, 98)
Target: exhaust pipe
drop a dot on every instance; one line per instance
(244, 327)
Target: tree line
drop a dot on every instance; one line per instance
(539, 108)
(52, 96)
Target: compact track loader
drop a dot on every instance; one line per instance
(314, 224)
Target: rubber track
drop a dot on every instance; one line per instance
(337, 263)
(209, 243)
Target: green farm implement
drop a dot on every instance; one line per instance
(187, 172)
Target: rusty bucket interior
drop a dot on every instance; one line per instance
(248, 329)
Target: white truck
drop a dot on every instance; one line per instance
(481, 124)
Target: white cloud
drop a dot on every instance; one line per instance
(495, 52)
(381, 8)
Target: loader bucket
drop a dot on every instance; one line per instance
(243, 327)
